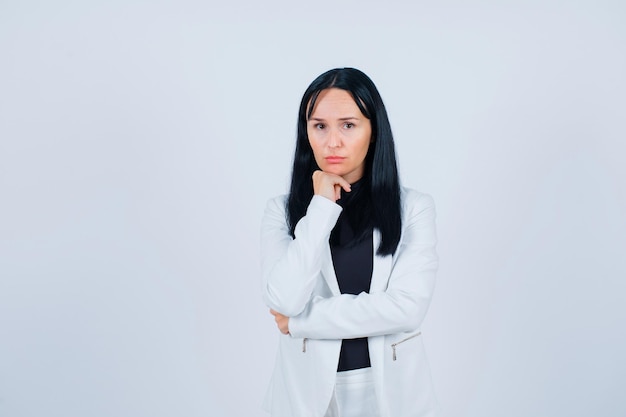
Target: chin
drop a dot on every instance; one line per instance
(338, 172)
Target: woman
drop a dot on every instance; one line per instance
(348, 264)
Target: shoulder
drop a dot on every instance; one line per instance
(418, 218)
(277, 203)
(275, 212)
(413, 200)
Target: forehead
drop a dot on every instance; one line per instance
(335, 103)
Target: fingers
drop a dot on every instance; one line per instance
(329, 185)
(276, 314)
(339, 181)
(345, 185)
(281, 320)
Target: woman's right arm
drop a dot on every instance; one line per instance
(290, 267)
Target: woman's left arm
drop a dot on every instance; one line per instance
(402, 306)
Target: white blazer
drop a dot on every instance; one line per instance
(298, 280)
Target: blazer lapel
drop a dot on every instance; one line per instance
(328, 271)
(382, 267)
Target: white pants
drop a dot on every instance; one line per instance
(354, 395)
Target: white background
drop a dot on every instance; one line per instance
(139, 142)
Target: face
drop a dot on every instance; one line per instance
(339, 134)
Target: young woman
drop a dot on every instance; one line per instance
(348, 264)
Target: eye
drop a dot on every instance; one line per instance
(319, 126)
(348, 125)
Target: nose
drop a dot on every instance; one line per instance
(334, 140)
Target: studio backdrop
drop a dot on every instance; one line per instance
(140, 141)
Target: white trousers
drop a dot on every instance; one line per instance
(354, 395)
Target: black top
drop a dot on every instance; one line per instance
(353, 262)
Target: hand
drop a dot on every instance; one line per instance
(329, 185)
(281, 321)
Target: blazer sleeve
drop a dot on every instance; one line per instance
(290, 267)
(401, 306)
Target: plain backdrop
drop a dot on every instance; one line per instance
(140, 140)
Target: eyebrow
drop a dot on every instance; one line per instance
(317, 119)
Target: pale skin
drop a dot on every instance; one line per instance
(339, 135)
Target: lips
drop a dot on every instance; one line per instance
(334, 159)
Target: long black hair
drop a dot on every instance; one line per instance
(378, 203)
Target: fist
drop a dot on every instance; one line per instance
(281, 321)
(329, 185)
